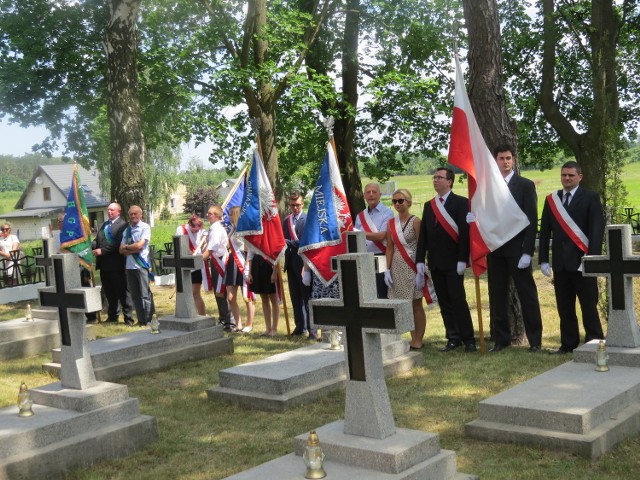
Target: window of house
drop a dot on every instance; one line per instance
(173, 203)
(46, 193)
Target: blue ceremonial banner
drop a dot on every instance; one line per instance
(234, 198)
(75, 234)
(328, 219)
(259, 222)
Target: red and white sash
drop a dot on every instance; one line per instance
(291, 228)
(239, 258)
(443, 217)
(196, 242)
(408, 254)
(567, 224)
(220, 264)
(370, 227)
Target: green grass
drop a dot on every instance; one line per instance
(202, 439)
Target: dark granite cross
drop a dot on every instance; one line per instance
(62, 300)
(45, 261)
(178, 263)
(354, 317)
(363, 317)
(619, 264)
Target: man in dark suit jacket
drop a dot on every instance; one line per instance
(513, 260)
(582, 206)
(447, 252)
(111, 264)
(293, 227)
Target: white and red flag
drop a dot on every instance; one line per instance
(328, 220)
(498, 216)
(259, 222)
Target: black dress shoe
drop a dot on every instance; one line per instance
(534, 348)
(497, 348)
(470, 347)
(450, 346)
(560, 351)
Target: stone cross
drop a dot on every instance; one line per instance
(183, 262)
(363, 317)
(619, 266)
(45, 261)
(72, 302)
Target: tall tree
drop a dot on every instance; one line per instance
(123, 106)
(487, 97)
(572, 71)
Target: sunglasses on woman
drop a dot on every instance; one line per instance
(398, 200)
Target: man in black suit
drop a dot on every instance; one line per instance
(444, 239)
(513, 260)
(111, 264)
(573, 217)
(293, 227)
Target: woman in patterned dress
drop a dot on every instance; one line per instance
(402, 239)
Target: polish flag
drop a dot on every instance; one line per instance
(498, 216)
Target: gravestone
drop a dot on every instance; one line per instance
(72, 301)
(285, 380)
(573, 407)
(619, 265)
(183, 262)
(366, 444)
(183, 337)
(19, 339)
(77, 421)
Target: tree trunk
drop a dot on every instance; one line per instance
(486, 94)
(345, 128)
(593, 147)
(123, 108)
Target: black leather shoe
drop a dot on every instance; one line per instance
(560, 351)
(497, 348)
(450, 346)
(470, 347)
(534, 348)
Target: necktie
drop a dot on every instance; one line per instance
(567, 199)
(441, 200)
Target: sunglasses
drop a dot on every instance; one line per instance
(398, 201)
(5, 229)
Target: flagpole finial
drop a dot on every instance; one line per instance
(255, 125)
(328, 124)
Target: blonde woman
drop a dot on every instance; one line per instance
(402, 239)
(234, 278)
(8, 243)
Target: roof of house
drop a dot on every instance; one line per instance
(61, 177)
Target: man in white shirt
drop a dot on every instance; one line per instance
(374, 220)
(135, 246)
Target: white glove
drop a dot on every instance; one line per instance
(420, 268)
(247, 274)
(471, 217)
(387, 278)
(545, 268)
(525, 261)
(306, 278)
(461, 267)
(420, 275)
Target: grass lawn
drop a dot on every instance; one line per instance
(202, 439)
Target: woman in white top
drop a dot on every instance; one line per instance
(8, 242)
(197, 242)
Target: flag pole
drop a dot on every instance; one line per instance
(479, 308)
(255, 123)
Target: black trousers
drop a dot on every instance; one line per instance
(114, 286)
(299, 294)
(452, 298)
(499, 269)
(569, 286)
